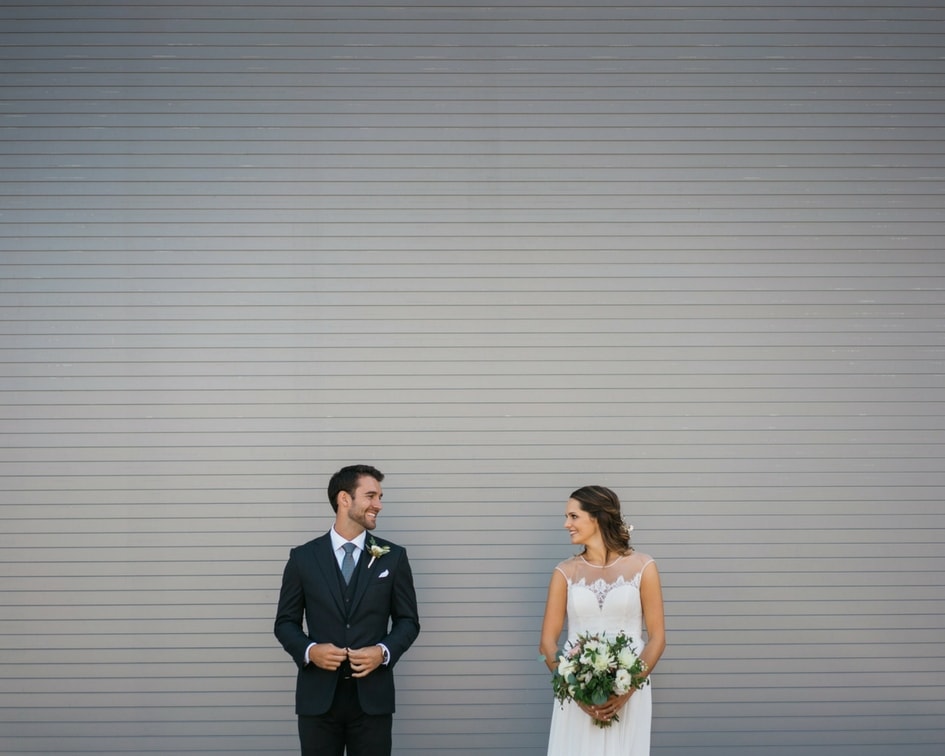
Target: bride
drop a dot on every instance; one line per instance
(606, 588)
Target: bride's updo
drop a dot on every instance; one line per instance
(603, 505)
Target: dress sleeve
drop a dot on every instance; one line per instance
(566, 568)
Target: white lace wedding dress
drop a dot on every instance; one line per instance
(604, 600)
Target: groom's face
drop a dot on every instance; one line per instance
(365, 503)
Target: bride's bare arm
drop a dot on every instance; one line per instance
(556, 607)
(651, 597)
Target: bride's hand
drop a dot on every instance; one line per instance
(609, 709)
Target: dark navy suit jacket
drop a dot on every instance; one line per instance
(382, 609)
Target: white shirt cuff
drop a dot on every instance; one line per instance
(307, 650)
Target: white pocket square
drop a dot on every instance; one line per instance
(384, 574)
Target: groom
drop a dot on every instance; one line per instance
(360, 609)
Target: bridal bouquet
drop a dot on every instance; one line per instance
(593, 668)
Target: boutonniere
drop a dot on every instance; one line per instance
(376, 551)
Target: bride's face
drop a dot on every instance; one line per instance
(579, 523)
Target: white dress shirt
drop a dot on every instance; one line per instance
(338, 543)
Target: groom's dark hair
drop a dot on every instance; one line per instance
(346, 479)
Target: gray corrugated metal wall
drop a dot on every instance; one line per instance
(690, 251)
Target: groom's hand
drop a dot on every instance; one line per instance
(365, 660)
(327, 656)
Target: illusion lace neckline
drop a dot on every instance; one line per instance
(603, 566)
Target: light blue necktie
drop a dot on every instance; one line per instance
(347, 564)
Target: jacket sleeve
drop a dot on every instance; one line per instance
(288, 625)
(405, 620)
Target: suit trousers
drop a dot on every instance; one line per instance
(345, 725)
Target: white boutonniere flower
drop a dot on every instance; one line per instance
(376, 551)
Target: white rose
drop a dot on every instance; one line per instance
(623, 682)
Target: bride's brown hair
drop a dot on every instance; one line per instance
(603, 505)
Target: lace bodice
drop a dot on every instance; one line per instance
(605, 599)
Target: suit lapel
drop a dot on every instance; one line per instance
(325, 558)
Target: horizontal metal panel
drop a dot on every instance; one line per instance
(85, 145)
